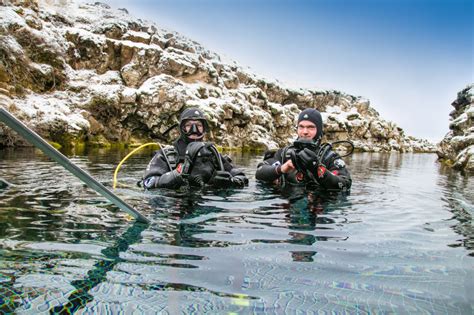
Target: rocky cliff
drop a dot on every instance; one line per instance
(457, 147)
(86, 73)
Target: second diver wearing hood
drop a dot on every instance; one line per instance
(306, 162)
(190, 160)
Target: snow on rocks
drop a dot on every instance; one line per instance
(124, 79)
(457, 147)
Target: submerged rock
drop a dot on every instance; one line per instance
(457, 147)
(84, 72)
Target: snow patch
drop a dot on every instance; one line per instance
(10, 18)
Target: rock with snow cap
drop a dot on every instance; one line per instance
(95, 72)
(457, 147)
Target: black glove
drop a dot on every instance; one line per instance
(222, 179)
(196, 180)
(240, 181)
(307, 159)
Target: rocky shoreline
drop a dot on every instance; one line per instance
(457, 147)
(86, 74)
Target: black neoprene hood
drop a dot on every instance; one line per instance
(192, 113)
(314, 116)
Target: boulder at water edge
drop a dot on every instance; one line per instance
(457, 147)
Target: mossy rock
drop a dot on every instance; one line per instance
(243, 149)
(447, 162)
(55, 145)
(98, 141)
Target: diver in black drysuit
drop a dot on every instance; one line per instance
(307, 162)
(192, 161)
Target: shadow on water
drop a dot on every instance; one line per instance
(11, 297)
(81, 296)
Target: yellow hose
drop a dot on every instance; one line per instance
(129, 155)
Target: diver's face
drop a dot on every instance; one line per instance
(198, 126)
(306, 130)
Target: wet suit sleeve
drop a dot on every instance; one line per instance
(332, 173)
(269, 169)
(158, 175)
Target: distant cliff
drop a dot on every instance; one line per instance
(89, 74)
(457, 147)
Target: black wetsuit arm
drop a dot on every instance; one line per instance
(334, 175)
(269, 170)
(171, 179)
(158, 174)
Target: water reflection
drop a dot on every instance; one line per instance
(202, 219)
(458, 193)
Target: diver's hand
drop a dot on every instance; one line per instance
(308, 159)
(222, 179)
(239, 181)
(287, 167)
(186, 167)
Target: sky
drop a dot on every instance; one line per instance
(410, 58)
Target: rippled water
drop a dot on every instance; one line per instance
(401, 242)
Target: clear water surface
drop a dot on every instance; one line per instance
(402, 242)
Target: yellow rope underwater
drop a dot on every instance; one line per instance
(129, 155)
